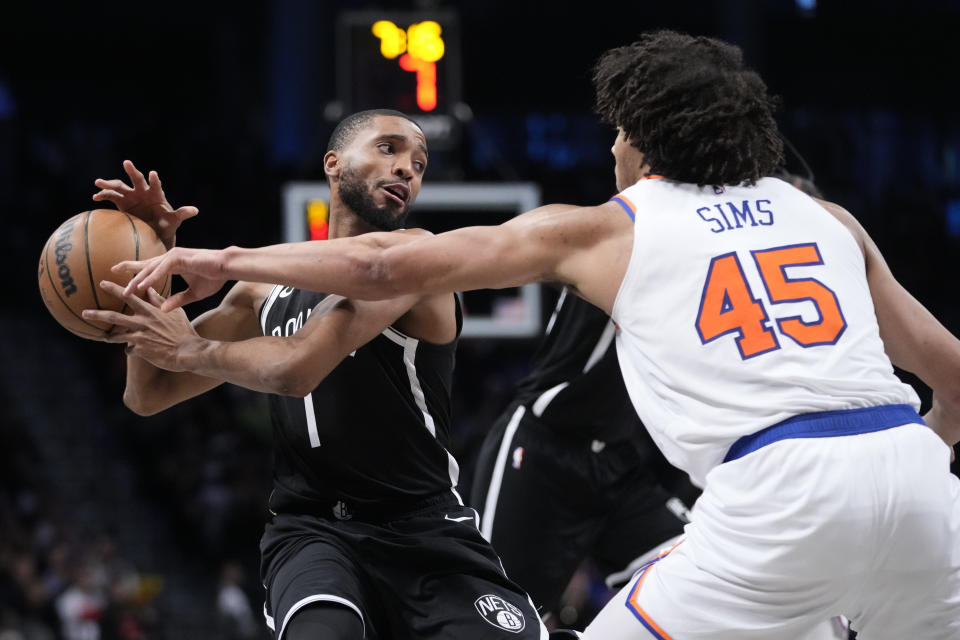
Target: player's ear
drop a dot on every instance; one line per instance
(331, 165)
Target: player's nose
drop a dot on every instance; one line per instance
(403, 167)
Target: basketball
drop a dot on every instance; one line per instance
(79, 254)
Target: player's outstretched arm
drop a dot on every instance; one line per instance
(580, 246)
(189, 360)
(206, 270)
(913, 338)
(144, 198)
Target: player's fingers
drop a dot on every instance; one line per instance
(152, 276)
(115, 184)
(138, 269)
(128, 266)
(112, 288)
(108, 194)
(186, 212)
(154, 180)
(155, 298)
(116, 331)
(136, 177)
(110, 317)
(177, 300)
(119, 335)
(134, 302)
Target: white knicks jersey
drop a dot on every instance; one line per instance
(742, 307)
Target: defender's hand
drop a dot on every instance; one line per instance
(199, 268)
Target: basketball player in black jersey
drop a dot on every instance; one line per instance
(367, 536)
(568, 471)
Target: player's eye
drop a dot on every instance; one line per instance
(386, 147)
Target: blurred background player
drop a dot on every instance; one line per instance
(367, 535)
(568, 471)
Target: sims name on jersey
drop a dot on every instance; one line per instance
(727, 216)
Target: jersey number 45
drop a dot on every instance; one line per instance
(727, 304)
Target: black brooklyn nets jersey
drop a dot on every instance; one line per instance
(575, 385)
(372, 437)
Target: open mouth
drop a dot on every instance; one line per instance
(397, 192)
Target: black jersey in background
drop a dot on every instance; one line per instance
(372, 437)
(579, 339)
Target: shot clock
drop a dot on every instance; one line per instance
(409, 61)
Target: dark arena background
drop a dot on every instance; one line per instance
(232, 103)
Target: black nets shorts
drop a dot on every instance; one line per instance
(429, 574)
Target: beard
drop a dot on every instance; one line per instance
(355, 194)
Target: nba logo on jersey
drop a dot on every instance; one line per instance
(341, 511)
(500, 613)
(517, 457)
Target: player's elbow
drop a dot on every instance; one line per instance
(380, 275)
(141, 403)
(949, 395)
(287, 377)
(292, 386)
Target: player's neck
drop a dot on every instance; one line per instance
(344, 224)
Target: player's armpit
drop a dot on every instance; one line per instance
(595, 262)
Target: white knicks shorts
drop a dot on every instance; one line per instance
(791, 535)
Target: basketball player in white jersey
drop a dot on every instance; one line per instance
(757, 332)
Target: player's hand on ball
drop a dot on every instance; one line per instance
(145, 199)
(199, 268)
(154, 335)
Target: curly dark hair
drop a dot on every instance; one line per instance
(689, 105)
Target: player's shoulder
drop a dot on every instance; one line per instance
(579, 224)
(608, 220)
(835, 209)
(845, 218)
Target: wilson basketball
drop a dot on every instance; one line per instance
(80, 253)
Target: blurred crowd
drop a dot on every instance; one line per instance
(204, 466)
(59, 580)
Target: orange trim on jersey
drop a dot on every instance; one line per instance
(634, 605)
(623, 200)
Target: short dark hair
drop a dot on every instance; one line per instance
(689, 105)
(347, 128)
